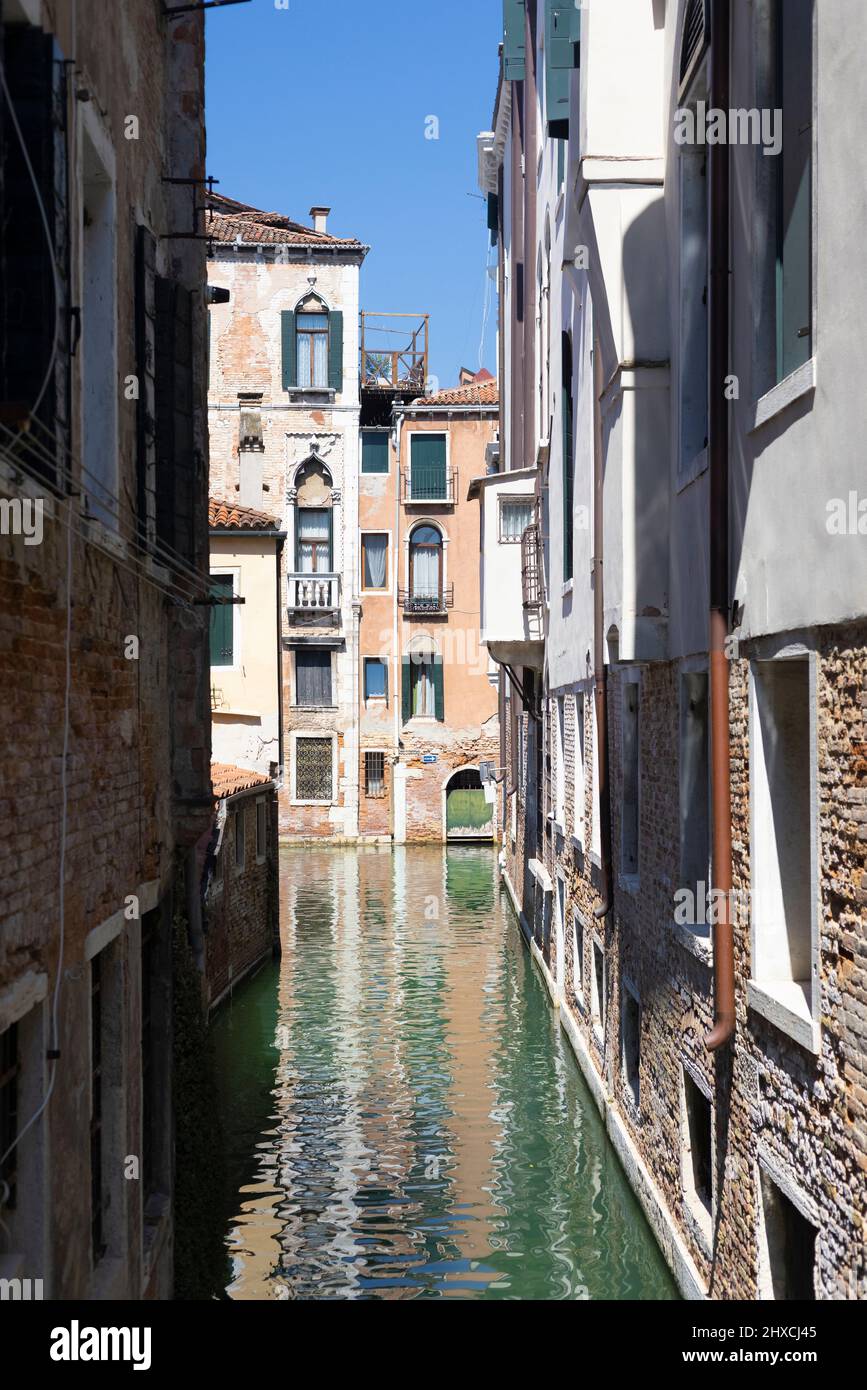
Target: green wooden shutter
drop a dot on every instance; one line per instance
(438, 688)
(562, 49)
(514, 48)
(406, 691)
(290, 353)
(222, 622)
(335, 350)
(566, 409)
(374, 451)
(428, 464)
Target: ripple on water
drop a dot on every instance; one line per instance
(403, 1120)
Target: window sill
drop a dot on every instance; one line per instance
(693, 470)
(697, 940)
(791, 389)
(578, 843)
(568, 586)
(302, 392)
(786, 1004)
(106, 537)
(316, 709)
(296, 802)
(630, 883)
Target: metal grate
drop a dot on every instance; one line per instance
(313, 773)
(374, 774)
(531, 580)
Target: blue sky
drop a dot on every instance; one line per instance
(326, 102)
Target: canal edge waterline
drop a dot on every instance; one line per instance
(667, 1237)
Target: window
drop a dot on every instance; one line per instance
(313, 678)
(312, 340)
(426, 569)
(630, 812)
(578, 957)
(630, 1043)
(567, 413)
(694, 777)
(792, 184)
(96, 1189)
(374, 451)
(238, 823)
(578, 769)
(261, 830)
(312, 348)
(374, 774)
(98, 329)
(781, 780)
(516, 514)
(10, 1065)
(694, 339)
(375, 678)
(596, 800)
(222, 621)
(698, 1151)
(374, 561)
(314, 769)
(597, 989)
(314, 540)
(560, 760)
(422, 686)
(428, 478)
(151, 1079)
(787, 1246)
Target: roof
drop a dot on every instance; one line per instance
(228, 516)
(477, 393)
(229, 222)
(229, 781)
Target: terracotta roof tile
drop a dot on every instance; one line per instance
(229, 221)
(228, 780)
(228, 516)
(477, 393)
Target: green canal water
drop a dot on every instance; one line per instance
(404, 1118)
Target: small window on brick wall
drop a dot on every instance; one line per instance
(697, 1151)
(578, 958)
(261, 830)
(374, 774)
(630, 1040)
(238, 821)
(597, 989)
(787, 1246)
(629, 839)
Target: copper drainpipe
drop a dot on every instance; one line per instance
(718, 431)
(530, 143)
(600, 671)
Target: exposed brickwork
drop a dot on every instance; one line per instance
(242, 908)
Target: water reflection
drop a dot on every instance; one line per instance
(404, 1116)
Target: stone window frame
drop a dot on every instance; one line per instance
(580, 927)
(800, 1199)
(699, 1220)
(629, 988)
(597, 1004)
(804, 1029)
(294, 738)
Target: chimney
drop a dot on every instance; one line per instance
(320, 219)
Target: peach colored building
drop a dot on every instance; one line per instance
(427, 701)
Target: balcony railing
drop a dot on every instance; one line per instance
(425, 484)
(424, 605)
(394, 352)
(531, 568)
(313, 593)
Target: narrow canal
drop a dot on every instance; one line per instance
(403, 1114)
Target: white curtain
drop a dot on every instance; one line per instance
(515, 517)
(374, 561)
(313, 527)
(423, 694)
(425, 573)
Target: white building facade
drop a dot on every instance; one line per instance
(682, 415)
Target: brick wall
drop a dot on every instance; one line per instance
(242, 909)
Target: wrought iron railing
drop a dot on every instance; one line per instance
(423, 604)
(423, 483)
(313, 592)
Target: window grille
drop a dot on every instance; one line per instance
(313, 773)
(374, 774)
